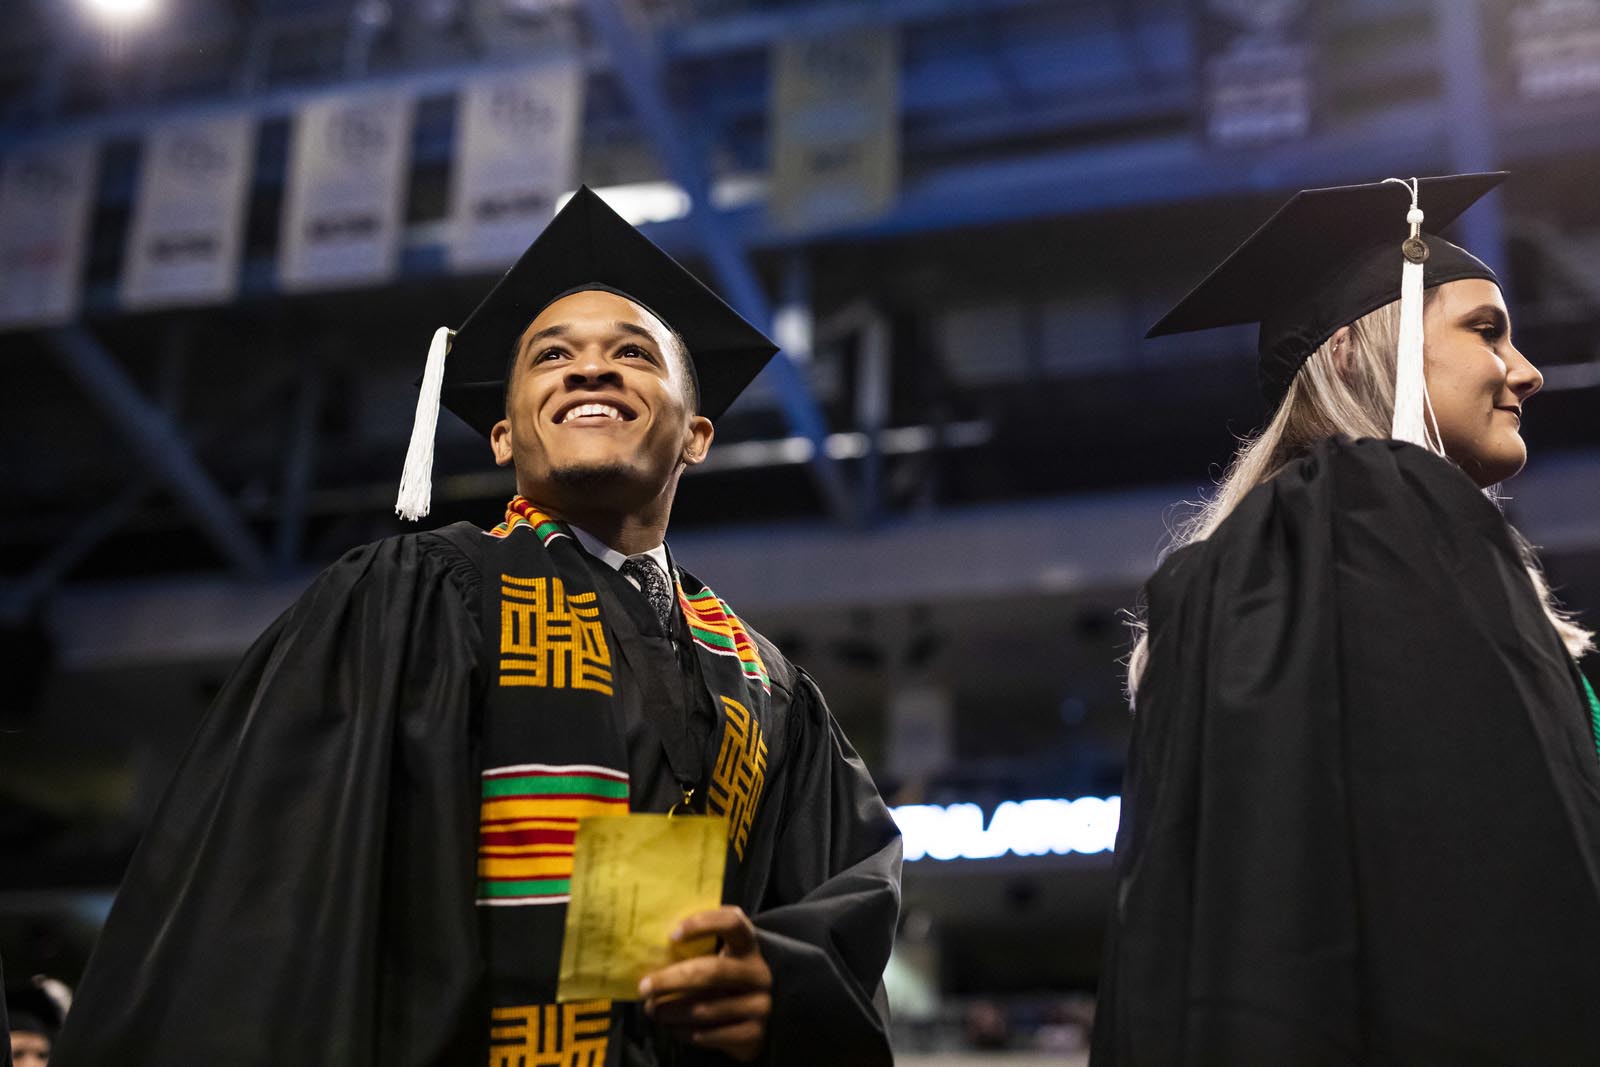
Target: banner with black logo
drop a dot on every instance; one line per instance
(345, 200)
(188, 222)
(45, 193)
(1256, 65)
(835, 127)
(1554, 48)
(516, 153)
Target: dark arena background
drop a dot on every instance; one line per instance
(228, 229)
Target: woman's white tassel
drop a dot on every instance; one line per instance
(416, 480)
(1411, 406)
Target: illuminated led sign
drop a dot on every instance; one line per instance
(1086, 825)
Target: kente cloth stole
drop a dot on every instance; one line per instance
(1594, 709)
(554, 751)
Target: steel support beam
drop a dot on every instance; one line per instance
(158, 442)
(299, 465)
(1469, 124)
(870, 329)
(639, 71)
(1057, 546)
(367, 19)
(19, 598)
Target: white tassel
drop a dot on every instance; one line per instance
(1411, 407)
(416, 480)
(1410, 380)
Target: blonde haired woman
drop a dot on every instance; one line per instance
(1362, 816)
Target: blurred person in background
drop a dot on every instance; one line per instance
(366, 853)
(1361, 821)
(985, 1025)
(35, 1018)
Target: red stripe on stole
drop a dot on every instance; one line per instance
(711, 614)
(491, 836)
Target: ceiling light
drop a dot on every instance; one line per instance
(120, 11)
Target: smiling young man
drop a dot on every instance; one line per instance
(601, 417)
(369, 846)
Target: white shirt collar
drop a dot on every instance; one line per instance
(614, 559)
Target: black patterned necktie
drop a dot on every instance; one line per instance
(653, 584)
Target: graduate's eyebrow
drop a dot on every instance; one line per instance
(558, 330)
(561, 329)
(1493, 312)
(635, 329)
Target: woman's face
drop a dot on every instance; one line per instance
(1477, 380)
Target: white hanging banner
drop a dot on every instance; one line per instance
(346, 190)
(516, 153)
(1555, 48)
(836, 127)
(188, 223)
(1257, 80)
(44, 231)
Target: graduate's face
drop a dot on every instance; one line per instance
(29, 1049)
(1477, 380)
(597, 411)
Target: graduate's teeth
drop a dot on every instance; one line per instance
(605, 410)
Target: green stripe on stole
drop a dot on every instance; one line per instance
(555, 785)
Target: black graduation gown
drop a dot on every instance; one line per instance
(306, 889)
(1361, 823)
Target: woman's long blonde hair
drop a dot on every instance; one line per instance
(1321, 402)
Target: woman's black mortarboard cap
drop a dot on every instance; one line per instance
(1328, 257)
(586, 246)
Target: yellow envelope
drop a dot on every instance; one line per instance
(634, 879)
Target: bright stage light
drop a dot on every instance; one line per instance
(120, 11)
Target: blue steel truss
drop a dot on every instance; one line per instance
(1012, 111)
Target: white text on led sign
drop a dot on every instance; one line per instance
(1022, 827)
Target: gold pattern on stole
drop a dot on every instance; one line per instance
(740, 772)
(550, 1035)
(550, 638)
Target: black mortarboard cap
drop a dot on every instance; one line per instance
(32, 1009)
(1328, 257)
(588, 245)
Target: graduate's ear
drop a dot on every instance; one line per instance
(1343, 358)
(698, 441)
(500, 441)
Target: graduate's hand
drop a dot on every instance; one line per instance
(721, 1001)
